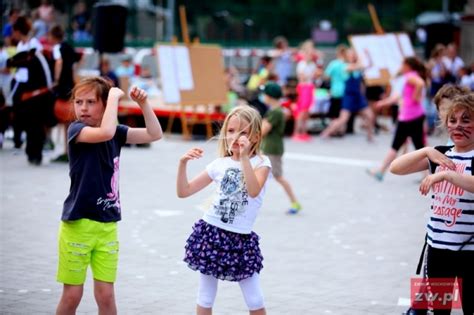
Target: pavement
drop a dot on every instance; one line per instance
(351, 250)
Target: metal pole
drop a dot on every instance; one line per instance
(170, 20)
(446, 8)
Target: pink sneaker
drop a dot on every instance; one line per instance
(305, 137)
(296, 138)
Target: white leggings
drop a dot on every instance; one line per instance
(250, 289)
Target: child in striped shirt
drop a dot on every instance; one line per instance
(450, 229)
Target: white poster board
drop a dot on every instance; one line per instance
(382, 55)
(175, 72)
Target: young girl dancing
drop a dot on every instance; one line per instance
(450, 229)
(222, 244)
(411, 113)
(88, 232)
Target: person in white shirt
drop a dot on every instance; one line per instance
(222, 244)
(453, 63)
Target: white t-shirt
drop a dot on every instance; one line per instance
(308, 69)
(233, 209)
(451, 224)
(57, 52)
(453, 66)
(21, 74)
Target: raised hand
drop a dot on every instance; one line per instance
(440, 159)
(244, 146)
(193, 154)
(116, 92)
(138, 95)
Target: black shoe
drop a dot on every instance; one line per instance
(143, 145)
(35, 162)
(412, 311)
(48, 145)
(63, 158)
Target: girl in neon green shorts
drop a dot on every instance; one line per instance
(88, 231)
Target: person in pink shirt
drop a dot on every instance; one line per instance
(411, 113)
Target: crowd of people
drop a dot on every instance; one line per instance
(223, 245)
(443, 82)
(302, 72)
(38, 68)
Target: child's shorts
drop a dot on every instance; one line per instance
(83, 242)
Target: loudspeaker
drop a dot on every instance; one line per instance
(109, 27)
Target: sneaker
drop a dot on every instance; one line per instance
(375, 174)
(34, 161)
(294, 209)
(305, 137)
(63, 158)
(48, 145)
(412, 311)
(296, 138)
(301, 138)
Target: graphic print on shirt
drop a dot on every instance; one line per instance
(445, 204)
(112, 199)
(233, 196)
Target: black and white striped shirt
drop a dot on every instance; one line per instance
(451, 224)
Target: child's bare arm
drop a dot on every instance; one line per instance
(463, 181)
(418, 161)
(266, 127)
(389, 100)
(108, 125)
(254, 179)
(185, 188)
(152, 130)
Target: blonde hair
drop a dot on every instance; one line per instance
(461, 102)
(307, 46)
(247, 115)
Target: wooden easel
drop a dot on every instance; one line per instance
(190, 118)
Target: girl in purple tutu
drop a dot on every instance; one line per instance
(222, 244)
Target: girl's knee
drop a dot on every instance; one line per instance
(255, 302)
(71, 297)
(205, 300)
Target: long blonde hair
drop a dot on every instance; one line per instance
(247, 115)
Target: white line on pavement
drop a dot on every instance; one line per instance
(403, 302)
(328, 159)
(168, 213)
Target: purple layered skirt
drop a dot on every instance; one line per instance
(223, 254)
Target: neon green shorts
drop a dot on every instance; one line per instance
(85, 242)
